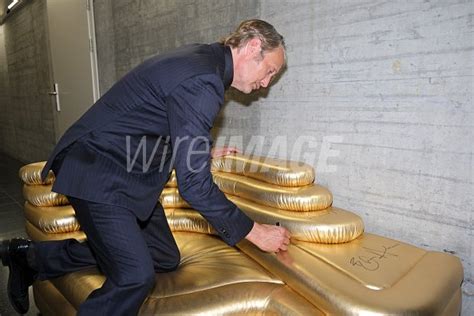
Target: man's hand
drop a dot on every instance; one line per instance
(222, 151)
(269, 238)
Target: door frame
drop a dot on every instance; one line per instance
(93, 50)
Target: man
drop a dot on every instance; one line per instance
(164, 109)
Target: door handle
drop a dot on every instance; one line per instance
(55, 92)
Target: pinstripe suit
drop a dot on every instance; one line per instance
(115, 160)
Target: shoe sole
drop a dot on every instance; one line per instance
(4, 246)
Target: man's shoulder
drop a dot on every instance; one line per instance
(171, 69)
(194, 58)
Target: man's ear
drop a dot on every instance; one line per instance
(254, 46)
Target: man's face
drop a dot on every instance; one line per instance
(256, 71)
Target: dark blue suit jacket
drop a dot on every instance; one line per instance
(156, 118)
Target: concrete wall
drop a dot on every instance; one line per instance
(130, 31)
(382, 92)
(26, 121)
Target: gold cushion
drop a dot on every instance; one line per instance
(307, 198)
(213, 278)
(52, 219)
(275, 171)
(31, 174)
(332, 225)
(370, 275)
(246, 298)
(188, 220)
(50, 301)
(329, 226)
(41, 195)
(170, 198)
(37, 235)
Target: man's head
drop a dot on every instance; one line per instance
(258, 52)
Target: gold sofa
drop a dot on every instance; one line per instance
(331, 268)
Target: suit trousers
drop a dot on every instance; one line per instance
(127, 251)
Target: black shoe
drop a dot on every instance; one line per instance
(13, 254)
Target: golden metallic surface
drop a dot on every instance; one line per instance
(170, 198)
(52, 219)
(50, 301)
(454, 305)
(41, 195)
(332, 225)
(236, 299)
(307, 198)
(173, 181)
(213, 279)
(188, 220)
(77, 286)
(371, 275)
(329, 226)
(213, 261)
(36, 234)
(31, 174)
(276, 171)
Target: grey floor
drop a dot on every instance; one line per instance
(11, 223)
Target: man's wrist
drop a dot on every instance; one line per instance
(251, 236)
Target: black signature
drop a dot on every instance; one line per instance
(373, 263)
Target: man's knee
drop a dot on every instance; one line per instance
(171, 263)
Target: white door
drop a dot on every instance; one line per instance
(73, 59)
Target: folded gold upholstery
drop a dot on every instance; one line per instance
(329, 226)
(52, 219)
(207, 262)
(36, 234)
(371, 275)
(45, 294)
(170, 198)
(306, 198)
(247, 298)
(212, 279)
(188, 220)
(41, 195)
(31, 174)
(275, 171)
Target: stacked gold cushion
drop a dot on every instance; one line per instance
(48, 214)
(330, 226)
(264, 202)
(274, 171)
(304, 210)
(306, 198)
(52, 220)
(41, 195)
(31, 174)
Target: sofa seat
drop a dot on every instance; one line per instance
(213, 278)
(331, 268)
